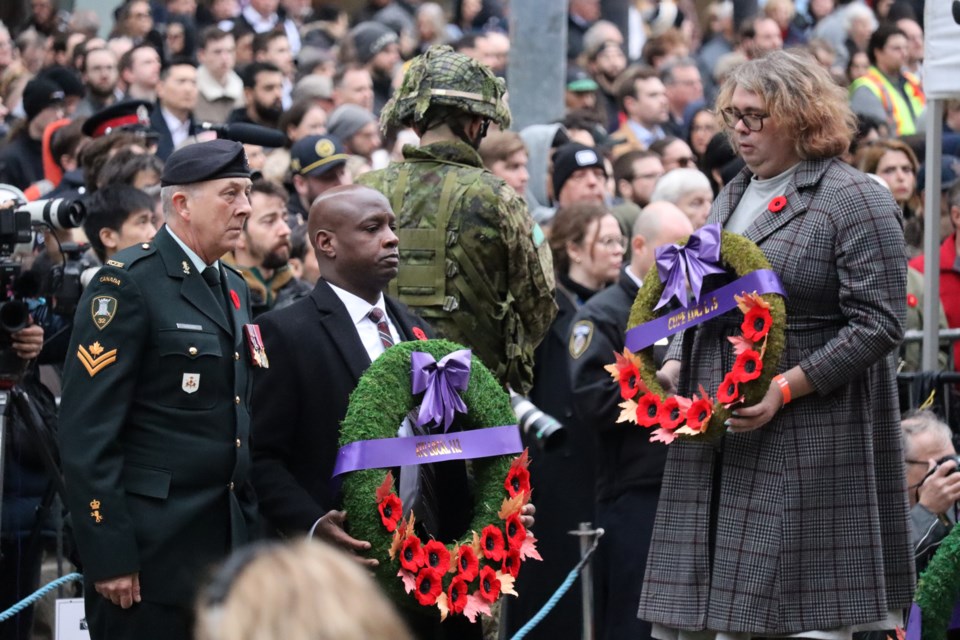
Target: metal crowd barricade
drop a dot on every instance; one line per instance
(914, 384)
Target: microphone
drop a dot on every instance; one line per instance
(247, 133)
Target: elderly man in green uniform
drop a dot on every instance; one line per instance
(472, 262)
(155, 413)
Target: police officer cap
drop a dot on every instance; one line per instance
(127, 115)
(205, 161)
(315, 155)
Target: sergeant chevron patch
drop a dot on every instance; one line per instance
(95, 360)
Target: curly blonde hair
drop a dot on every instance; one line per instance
(305, 590)
(800, 94)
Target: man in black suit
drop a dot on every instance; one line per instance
(172, 117)
(319, 347)
(155, 419)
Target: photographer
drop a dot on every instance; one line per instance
(25, 481)
(932, 482)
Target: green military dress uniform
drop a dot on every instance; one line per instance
(154, 431)
(472, 261)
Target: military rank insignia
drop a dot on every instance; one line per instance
(103, 308)
(190, 383)
(94, 359)
(580, 338)
(186, 267)
(258, 354)
(95, 514)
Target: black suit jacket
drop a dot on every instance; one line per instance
(316, 359)
(154, 423)
(158, 124)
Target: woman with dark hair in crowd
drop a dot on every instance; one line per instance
(180, 38)
(896, 164)
(703, 126)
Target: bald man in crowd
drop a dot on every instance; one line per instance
(629, 466)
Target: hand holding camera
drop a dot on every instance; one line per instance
(940, 489)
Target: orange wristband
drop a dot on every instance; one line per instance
(784, 388)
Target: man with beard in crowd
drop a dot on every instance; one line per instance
(263, 95)
(100, 77)
(263, 252)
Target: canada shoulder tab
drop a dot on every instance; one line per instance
(131, 255)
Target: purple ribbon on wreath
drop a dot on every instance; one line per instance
(441, 384)
(678, 264)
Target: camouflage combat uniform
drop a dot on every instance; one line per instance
(472, 262)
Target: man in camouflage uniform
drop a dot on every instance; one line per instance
(472, 262)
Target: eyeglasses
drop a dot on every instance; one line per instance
(752, 121)
(612, 242)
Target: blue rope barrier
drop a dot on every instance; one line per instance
(559, 593)
(39, 593)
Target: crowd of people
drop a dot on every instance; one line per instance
(275, 179)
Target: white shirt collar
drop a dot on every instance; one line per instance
(258, 22)
(179, 129)
(196, 260)
(634, 277)
(357, 307)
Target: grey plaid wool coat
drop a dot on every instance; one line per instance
(802, 524)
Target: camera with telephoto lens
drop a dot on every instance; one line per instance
(18, 218)
(538, 427)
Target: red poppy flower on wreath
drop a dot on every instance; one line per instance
(491, 542)
(235, 299)
(489, 585)
(511, 563)
(518, 480)
(648, 410)
(516, 532)
(756, 324)
(436, 556)
(467, 563)
(390, 511)
(672, 414)
(912, 300)
(629, 380)
(457, 595)
(747, 366)
(729, 389)
(777, 204)
(429, 586)
(419, 334)
(411, 554)
(699, 414)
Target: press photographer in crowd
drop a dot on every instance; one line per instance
(932, 481)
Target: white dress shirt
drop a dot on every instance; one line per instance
(359, 310)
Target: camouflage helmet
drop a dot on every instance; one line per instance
(444, 77)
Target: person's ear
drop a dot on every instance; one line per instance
(326, 243)
(637, 245)
(109, 238)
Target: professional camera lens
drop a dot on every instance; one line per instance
(544, 429)
(57, 213)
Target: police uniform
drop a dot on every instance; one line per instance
(155, 419)
(629, 466)
(472, 262)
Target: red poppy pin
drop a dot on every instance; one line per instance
(419, 334)
(777, 204)
(235, 298)
(912, 300)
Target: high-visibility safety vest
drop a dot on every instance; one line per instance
(895, 105)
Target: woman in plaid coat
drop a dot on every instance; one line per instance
(795, 522)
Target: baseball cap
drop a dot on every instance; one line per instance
(315, 155)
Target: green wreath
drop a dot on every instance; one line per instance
(637, 373)
(378, 405)
(939, 587)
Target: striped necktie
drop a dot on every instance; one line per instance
(380, 319)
